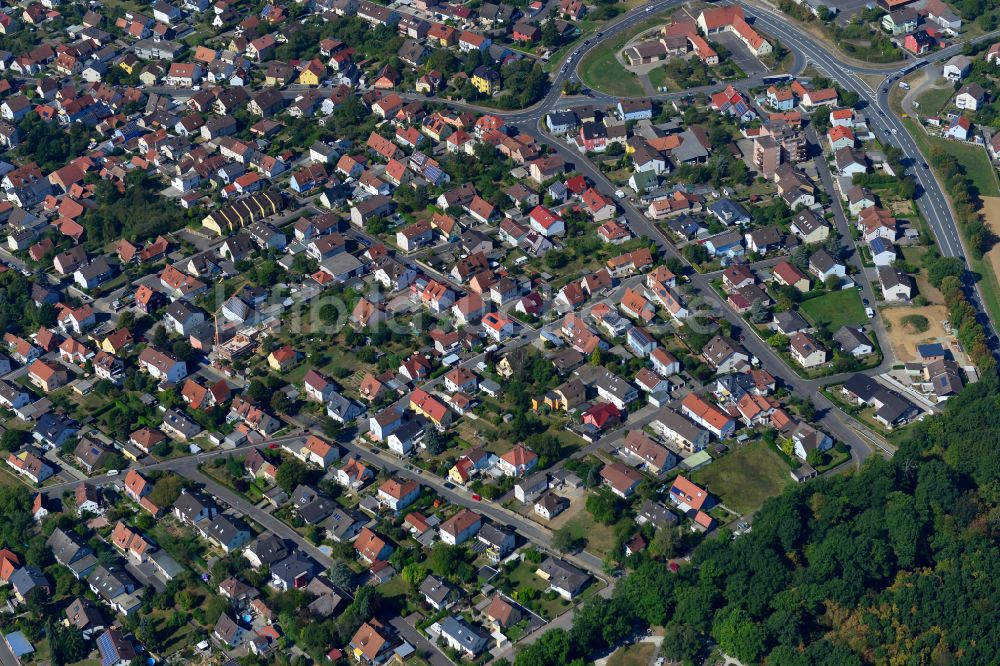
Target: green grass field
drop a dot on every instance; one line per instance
(973, 159)
(600, 538)
(835, 309)
(745, 478)
(933, 100)
(602, 71)
(633, 655)
(658, 78)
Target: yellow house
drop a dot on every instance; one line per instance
(486, 80)
(312, 73)
(282, 359)
(127, 64)
(461, 471)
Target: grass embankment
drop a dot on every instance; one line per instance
(979, 169)
(601, 70)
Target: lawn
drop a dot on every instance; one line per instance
(973, 159)
(933, 100)
(600, 538)
(743, 479)
(835, 309)
(524, 576)
(633, 655)
(601, 70)
(658, 78)
(9, 479)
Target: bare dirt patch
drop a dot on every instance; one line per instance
(904, 339)
(901, 208)
(991, 214)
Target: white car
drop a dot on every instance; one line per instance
(870, 312)
(112, 472)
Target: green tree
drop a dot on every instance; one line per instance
(15, 515)
(565, 540)
(681, 642)
(341, 575)
(604, 507)
(166, 490)
(291, 474)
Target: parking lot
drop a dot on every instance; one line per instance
(847, 8)
(740, 54)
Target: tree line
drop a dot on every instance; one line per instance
(897, 563)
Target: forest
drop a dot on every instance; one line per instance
(895, 564)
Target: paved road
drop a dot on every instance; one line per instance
(931, 199)
(189, 470)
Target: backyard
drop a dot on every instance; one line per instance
(743, 479)
(835, 309)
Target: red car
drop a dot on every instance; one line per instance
(272, 445)
(477, 496)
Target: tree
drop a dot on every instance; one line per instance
(414, 574)
(67, 644)
(604, 507)
(939, 268)
(15, 515)
(696, 254)
(291, 473)
(759, 312)
(436, 442)
(778, 341)
(12, 439)
(681, 642)
(738, 635)
(597, 357)
(832, 283)
(166, 490)
(341, 575)
(800, 258)
(565, 540)
(664, 543)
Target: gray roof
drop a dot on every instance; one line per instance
(191, 504)
(465, 635)
(564, 575)
(850, 338)
(728, 211)
(342, 521)
(66, 547)
(657, 514)
(493, 535)
(225, 528)
(822, 261)
(25, 579)
(268, 548)
(790, 321)
(294, 565)
(436, 589)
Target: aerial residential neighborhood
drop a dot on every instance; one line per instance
(417, 333)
